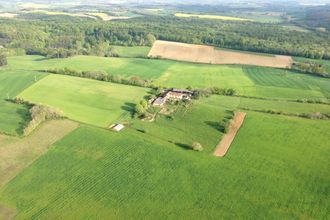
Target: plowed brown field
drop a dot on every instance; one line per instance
(208, 54)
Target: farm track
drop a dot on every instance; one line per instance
(31, 148)
(228, 138)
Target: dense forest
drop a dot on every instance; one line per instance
(59, 36)
(315, 17)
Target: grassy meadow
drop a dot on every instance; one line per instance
(126, 67)
(262, 105)
(200, 122)
(12, 82)
(249, 81)
(136, 51)
(271, 170)
(89, 101)
(275, 168)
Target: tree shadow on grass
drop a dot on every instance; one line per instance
(128, 107)
(25, 116)
(42, 59)
(216, 125)
(182, 145)
(220, 125)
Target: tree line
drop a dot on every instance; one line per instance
(103, 76)
(63, 37)
(310, 68)
(3, 60)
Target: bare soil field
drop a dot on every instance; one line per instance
(228, 138)
(211, 55)
(17, 154)
(7, 213)
(8, 15)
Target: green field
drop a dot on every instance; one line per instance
(278, 83)
(261, 105)
(276, 167)
(198, 123)
(271, 171)
(127, 67)
(14, 116)
(137, 51)
(250, 81)
(85, 100)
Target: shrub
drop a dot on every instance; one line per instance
(310, 68)
(139, 110)
(197, 146)
(40, 114)
(144, 104)
(3, 60)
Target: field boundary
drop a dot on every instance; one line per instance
(32, 147)
(228, 138)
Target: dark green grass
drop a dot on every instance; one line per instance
(277, 168)
(137, 51)
(126, 67)
(261, 105)
(13, 116)
(294, 84)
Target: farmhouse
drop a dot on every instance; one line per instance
(172, 94)
(160, 101)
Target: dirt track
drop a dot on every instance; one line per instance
(228, 138)
(208, 54)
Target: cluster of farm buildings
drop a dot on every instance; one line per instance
(174, 95)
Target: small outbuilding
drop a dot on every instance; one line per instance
(117, 127)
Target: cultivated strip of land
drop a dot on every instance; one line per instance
(228, 138)
(211, 55)
(106, 17)
(218, 17)
(20, 153)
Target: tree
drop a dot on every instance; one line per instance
(3, 60)
(144, 103)
(139, 110)
(150, 39)
(197, 146)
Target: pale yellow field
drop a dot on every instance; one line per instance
(32, 5)
(8, 15)
(61, 13)
(183, 15)
(210, 55)
(106, 17)
(154, 9)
